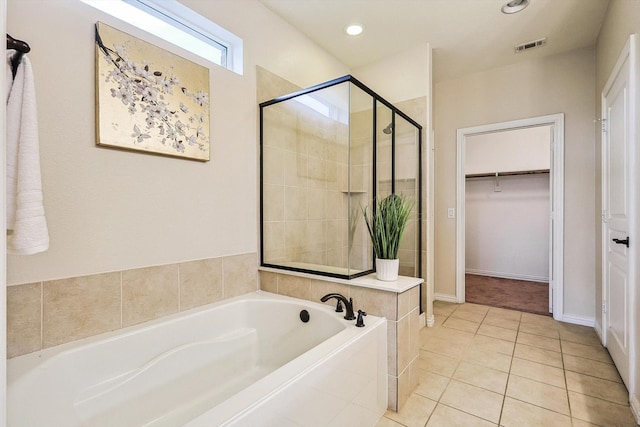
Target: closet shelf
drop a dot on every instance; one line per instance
(495, 174)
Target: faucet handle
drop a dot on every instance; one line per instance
(360, 321)
(339, 306)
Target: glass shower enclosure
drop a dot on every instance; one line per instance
(326, 152)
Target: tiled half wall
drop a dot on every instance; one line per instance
(53, 312)
(401, 310)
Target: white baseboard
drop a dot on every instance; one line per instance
(598, 327)
(431, 321)
(634, 401)
(507, 275)
(446, 297)
(579, 320)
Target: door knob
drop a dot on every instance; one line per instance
(622, 241)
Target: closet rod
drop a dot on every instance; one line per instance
(493, 175)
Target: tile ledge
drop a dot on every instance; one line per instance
(401, 285)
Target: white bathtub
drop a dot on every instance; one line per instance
(247, 361)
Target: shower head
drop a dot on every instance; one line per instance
(388, 129)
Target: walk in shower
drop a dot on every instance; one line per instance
(325, 153)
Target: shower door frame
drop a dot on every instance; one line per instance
(376, 98)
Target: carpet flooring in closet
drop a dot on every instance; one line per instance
(523, 295)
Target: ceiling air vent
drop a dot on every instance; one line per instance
(530, 45)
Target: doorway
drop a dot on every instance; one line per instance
(542, 174)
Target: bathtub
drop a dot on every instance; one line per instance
(246, 361)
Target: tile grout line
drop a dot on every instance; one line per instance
(506, 386)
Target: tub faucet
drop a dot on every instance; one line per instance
(347, 304)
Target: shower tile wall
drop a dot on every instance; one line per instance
(306, 181)
(305, 161)
(53, 312)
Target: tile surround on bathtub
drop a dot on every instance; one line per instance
(80, 307)
(24, 319)
(49, 313)
(149, 293)
(200, 282)
(400, 308)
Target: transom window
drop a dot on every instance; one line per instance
(179, 25)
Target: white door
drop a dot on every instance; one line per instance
(617, 187)
(551, 218)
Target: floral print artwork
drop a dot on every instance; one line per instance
(149, 99)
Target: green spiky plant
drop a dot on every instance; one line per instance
(386, 221)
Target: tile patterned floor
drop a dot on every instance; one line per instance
(485, 366)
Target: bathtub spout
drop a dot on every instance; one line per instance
(347, 304)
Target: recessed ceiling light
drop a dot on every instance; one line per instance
(353, 29)
(515, 6)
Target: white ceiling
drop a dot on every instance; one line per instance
(467, 35)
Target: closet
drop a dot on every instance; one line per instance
(507, 209)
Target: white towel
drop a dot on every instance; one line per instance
(26, 224)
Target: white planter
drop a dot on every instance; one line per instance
(387, 269)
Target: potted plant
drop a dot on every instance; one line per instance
(386, 221)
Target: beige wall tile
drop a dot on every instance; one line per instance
(200, 282)
(414, 333)
(319, 288)
(375, 302)
(404, 344)
(392, 387)
(274, 208)
(392, 348)
(24, 319)
(404, 304)
(294, 286)
(80, 307)
(414, 297)
(149, 293)
(406, 385)
(240, 274)
(268, 281)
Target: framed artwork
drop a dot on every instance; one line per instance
(149, 99)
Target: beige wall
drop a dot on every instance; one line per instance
(621, 21)
(558, 84)
(111, 210)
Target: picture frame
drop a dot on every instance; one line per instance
(149, 99)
